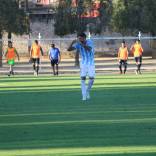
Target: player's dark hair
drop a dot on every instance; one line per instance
(138, 40)
(53, 45)
(123, 41)
(36, 41)
(82, 34)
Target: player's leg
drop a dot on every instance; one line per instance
(139, 64)
(125, 66)
(120, 66)
(83, 81)
(10, 70)
(53, 66)
(11, 63)
(34, 65)
(12, 67)
(91, 74)
(136, 60)
(38, 65)
(56, 62)
(56, 69)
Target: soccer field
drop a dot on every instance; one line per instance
(45, 116)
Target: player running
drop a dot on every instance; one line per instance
(35, 56)
(137, 52)
(55, 58)
(123, 57)
(10, 55)
(87, 67)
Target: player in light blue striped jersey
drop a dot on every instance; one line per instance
(85, 48)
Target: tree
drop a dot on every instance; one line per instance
(12, 20)
(70, 19)
(105, 14)
(135, 15)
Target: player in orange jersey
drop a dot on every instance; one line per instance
(35, 52)
(137, 52)
(10, 55)
(123, 57)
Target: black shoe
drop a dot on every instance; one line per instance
(12, 73)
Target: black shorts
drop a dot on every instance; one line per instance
(54, 62)
(138, 59)
(35, 60)
(123, 62)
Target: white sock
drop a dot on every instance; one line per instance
(90, 84)
(83, 87)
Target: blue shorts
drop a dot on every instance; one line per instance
(54, 62)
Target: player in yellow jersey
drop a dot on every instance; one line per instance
(123, 57)
(137, 52)
(35, 52)
(10, 55)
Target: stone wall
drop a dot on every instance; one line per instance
(46, 30)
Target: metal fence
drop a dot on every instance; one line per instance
(103, 45)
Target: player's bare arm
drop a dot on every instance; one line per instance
(6, 53)
(71, 48)
(17, 54)
(31, 52)
(41, 51)
(59, 57)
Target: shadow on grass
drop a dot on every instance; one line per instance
(74, 85)
(124, 154)
(66, 78)
(79, 134)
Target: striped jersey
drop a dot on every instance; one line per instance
(87, 56)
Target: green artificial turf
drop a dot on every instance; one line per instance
(45, 116)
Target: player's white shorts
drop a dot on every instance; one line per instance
(87, 70)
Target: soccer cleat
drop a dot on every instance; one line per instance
(88, 95)
(136, 72)
(12, 73)
(140, 72)
(35, 73)
(120, 72)
(9, 74)
(84, 98)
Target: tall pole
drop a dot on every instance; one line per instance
(26, 5)
(1, 54)
(139, 35)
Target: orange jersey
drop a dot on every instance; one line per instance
(35, 51)
(137, 50)
(123, 53)
(11, 52)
